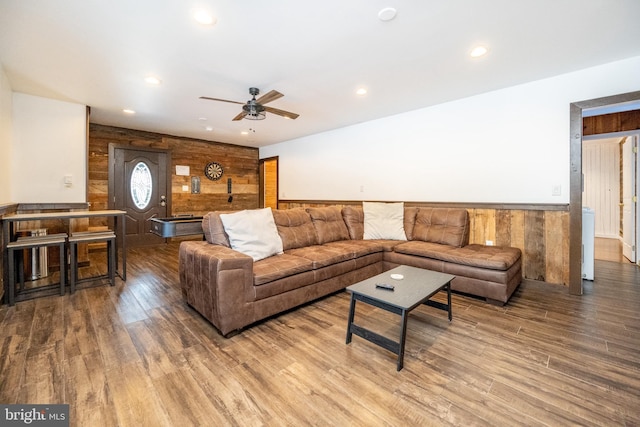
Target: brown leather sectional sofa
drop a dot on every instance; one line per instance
(324, 251)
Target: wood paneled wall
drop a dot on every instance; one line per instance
(541, 234)
(239, 163)
(614, 122)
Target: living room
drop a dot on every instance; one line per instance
(500, 151)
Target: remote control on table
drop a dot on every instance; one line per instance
(385, 286)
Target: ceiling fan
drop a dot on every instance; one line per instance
(254, 109)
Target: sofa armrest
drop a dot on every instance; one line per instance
(218, 283)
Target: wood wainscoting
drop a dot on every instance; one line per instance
(541, 232)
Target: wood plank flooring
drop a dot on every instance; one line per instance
(609, 250)
(136, 355)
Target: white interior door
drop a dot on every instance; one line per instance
(629, 198)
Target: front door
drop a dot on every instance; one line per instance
(139, 186)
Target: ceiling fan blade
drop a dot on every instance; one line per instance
(282, 113)
(223, 100)
(269, 96)
(240, 116)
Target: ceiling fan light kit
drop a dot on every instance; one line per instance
(255, 115)
(254, 109)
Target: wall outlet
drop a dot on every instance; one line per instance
(556, 190)
(185, 188)
(489, 243)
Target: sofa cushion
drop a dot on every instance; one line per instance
(410, 220)
(447, 226)
(278, 267)
(353, 217)
(360, 248)
(383, 221)
(328, 224)
(253, 232)
(354, 220)
(487, 257)
(295, 228)
(214, 229)
(322, 255)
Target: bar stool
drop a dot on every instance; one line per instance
(109, 238)
(16, 250)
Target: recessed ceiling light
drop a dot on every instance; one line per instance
(245, 132)
(152, 80)
(361, 91)
(205, 18)
(128, 111)
(478, 51)
(202, 119)
(208, 129)
(387, 14)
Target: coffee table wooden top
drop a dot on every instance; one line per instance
(416, 286)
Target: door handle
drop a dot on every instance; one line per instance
(163, 201)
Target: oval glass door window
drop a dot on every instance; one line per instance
(141, 185)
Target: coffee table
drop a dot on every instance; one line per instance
(416, 287)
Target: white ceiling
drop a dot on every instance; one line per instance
(317, 54)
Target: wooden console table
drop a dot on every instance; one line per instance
(8, 224)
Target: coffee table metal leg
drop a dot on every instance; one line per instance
(352, 311)
(449, 301)
(403, 336)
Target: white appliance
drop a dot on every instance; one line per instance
(588, 242)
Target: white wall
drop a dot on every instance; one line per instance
(49, 142)
(506, 146)
(5, 138)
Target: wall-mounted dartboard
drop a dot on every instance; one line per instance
(213, 171)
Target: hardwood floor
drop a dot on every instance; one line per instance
(136, 355)
(609, 250)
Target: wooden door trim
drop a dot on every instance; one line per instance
(111, 184)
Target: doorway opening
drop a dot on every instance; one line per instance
(610, 191)
(269, 192)
(577, 109)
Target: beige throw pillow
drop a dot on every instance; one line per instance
(253, 232)
(383, 221)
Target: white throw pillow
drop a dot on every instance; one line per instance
(384, 221)
(253, 232)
